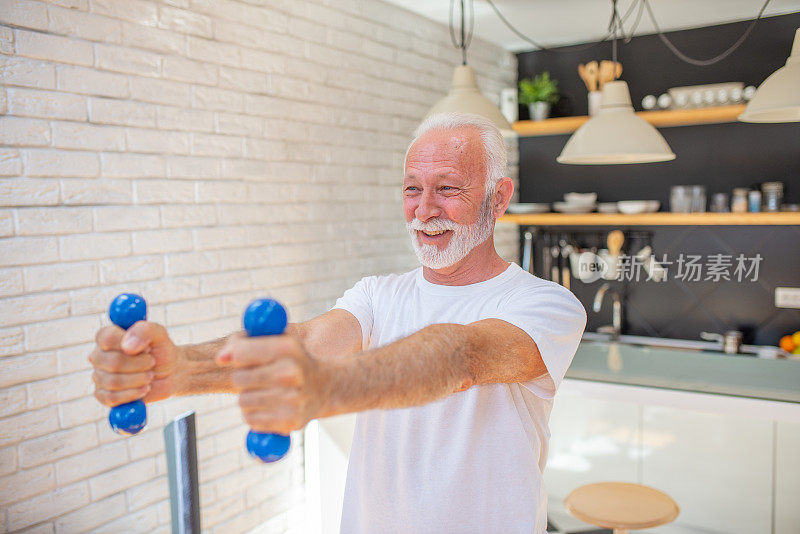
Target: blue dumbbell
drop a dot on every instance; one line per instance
(129, 418)
(266, 317)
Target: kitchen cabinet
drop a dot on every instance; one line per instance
(718, 468)
(731, 463)
(787, 478)
(591, 442)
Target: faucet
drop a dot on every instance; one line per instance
(730, 343)
(616, 314)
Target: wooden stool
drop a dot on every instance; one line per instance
(621, 506)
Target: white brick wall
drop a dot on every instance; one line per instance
(200, 152)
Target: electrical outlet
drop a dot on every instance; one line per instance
(787, 297)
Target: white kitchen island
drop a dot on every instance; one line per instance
(731, 459)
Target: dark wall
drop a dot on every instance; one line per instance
(682, 307)
(650, 68)
(720, 156)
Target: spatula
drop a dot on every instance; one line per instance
(592, 74)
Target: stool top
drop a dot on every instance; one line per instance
(621, 505)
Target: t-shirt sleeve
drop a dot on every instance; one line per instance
(358, 301)
(555, 320)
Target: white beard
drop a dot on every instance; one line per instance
(464, 238)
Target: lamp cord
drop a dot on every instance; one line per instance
(614, 25)
(540, 46)
(703, 62)
(466, 38)
(617, 23)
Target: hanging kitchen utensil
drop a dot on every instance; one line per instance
(527, 250)
(556, 255)
(546, 259)
(654, 270)
(614, 241)
(566, 249)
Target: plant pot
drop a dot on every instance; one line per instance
(539, 111)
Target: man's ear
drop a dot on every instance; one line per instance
(503, 192)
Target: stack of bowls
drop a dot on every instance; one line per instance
(577, 203)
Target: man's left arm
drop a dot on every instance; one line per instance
(282, 388)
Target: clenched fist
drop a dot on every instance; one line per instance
(281, 387)
(135, 364)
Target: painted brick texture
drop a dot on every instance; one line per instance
(201, 153)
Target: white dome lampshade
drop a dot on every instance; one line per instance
(778, 97)
(464, 97)
(616, 134)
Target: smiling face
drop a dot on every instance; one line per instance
(444, 196)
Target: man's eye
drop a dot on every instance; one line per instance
(411, 189)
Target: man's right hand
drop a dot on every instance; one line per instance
(135, 364)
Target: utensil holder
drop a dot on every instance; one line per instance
(594, 102)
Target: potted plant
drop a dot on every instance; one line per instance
(538, 94)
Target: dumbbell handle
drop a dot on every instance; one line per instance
(266, 317)
(129, 418)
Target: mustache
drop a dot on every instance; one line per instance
(434, 225)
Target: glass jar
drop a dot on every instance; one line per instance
(754, 201)
(680, 199)
(739, 201)
(698, 198)
(772, 195)
(719, 203)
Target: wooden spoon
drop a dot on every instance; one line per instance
(584, 76)
(614, 243)
(615, 240)
(592, 73)
(606, 72)
(609, 71)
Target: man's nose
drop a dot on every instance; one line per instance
(427, 208)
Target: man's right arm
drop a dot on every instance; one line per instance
(190, 369)
(330, 335)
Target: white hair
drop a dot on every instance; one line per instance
(494, 148)
(465, 237)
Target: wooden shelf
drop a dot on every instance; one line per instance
(662, 118)
(654, 219)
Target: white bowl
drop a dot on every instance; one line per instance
(607, 207)
(653, 205)
(583, 199)
(632, 207)
(567, 207)
(528, 208)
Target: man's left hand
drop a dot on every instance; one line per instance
(280, 385)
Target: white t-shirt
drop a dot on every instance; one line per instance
(471, 462)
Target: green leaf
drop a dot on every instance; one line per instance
(541, 89)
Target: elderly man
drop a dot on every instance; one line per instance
(452, 367)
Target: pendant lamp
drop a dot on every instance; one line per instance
(464, 97)
(616, 134)
(778, 97)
